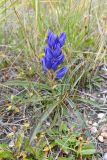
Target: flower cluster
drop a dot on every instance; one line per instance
(53, 54)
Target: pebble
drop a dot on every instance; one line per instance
(105, 156)
(102, 120)
(94, 130)
(100, 138)
(104, 134)
(90, 122)
(47, 123)
(11, 144)
(101, 115)
(95, 124)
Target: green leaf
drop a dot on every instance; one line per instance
(79, 116)
(88, 149)
(5, 154)
(63, 127)
(19, 141)
(63, 143)
(36, 128)
(4, 151)
(69, 78)
(28, 147)
(25, 84)
(65, 158)
(89, 102)
(3, 146)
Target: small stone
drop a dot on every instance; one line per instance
(101, 115)
(100, 138)
(98, 95)
(95, 124)
(102, 120)
(103, 128)
(105, 156)
(104, 134)
(10, 135)
(94, 130)
(90, 122)
(47, 123)
(11, 144)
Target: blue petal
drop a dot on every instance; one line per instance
(48, 63)
(48, 53)
(60, 74)
(50, 33)
(57, 62)
(62, 38)
(44, 64)
(57, 51)
(55, 65)
(57, 40)
(51, 39)
(60, 58)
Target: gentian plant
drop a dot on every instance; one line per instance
(54, 56)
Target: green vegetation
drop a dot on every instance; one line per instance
(45, 128)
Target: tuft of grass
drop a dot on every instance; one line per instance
(24, 25)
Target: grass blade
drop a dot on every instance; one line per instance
(36, 129)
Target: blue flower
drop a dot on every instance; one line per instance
(60, 74)
(48, 53)
(44, 68)
(46, 63)
(57, 62)
(62, 38)
(53, 54)
(51, 39)
(57, 51)
(60, 58)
